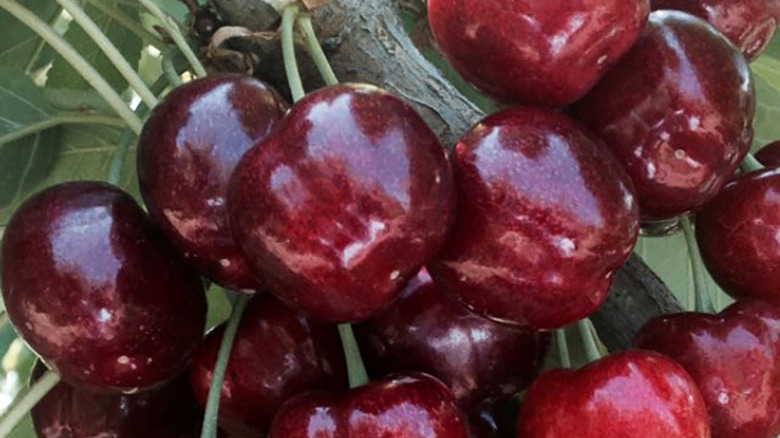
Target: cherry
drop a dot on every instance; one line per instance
(186, 155)
(739, 236)
(167, 411)
(734, 358)
(480, 360)
(276, 354)
(750, 24)
(340, 206)
(92, 286)
(635, 394)
(547, 52)
(401, 406)
(677, 111)
(494, 421)
(546, 215)
(769, 155)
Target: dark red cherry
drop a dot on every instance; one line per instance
(340, 206)
(734, 358)
(769, 155)
(96, 290)
(548, 52)
(186, 154)
(169, 411)
(636, 394)
(276, 355)
(546, 215)
(750, 24)
(739, 236)
(677, 111)
(480, 360)
(401, 406)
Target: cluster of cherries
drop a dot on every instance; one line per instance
(345, 208)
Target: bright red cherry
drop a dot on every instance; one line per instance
(340, 206)
(636, 394)
(545, 52)
(750, 24)
(169, 411)
(546, 215)
(480, 360)
(96, 290)
(402, 406)
(734, 358)
(739, 236)
(677, 111)
(276, 355)
(769, 155)
(186, 155)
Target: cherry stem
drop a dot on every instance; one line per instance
(751, 164)
(592, 349)
(703, 300)
(563, 348)
(128, 23)
(355, 366)
(126, 139)
(315, 50)
(288, 53)
(78, 62)
(218, 377)
(112, 53)
(27, 401)
(175, 33)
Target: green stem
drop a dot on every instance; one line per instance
(218, 377)
(175, 33)
(563, 348)
(315, 50)
(112, 53)
(592, 349)
(288, 53)
(703, 300)
(26, 402)
(170, 70)
(74, 59)
(128, 23)
(355, 367)
(120, 155)
(751, 164)
(62, 119)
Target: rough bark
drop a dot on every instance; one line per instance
(366, 42)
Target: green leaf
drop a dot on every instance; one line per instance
(767, 114)
(668, 257)
(62, 75)
(19, 42)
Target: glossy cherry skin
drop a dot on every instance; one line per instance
(546, 53)
(637, 394)
(738, 234)
(276, 355)
(677, 111)
(495, 421)
(769, 155)
(187, 152)
(411, 405)
(546, 215)
(96, 290)
(750, 24)
(480, 360)
(734, 358)
(340, 206)
(169, 411)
